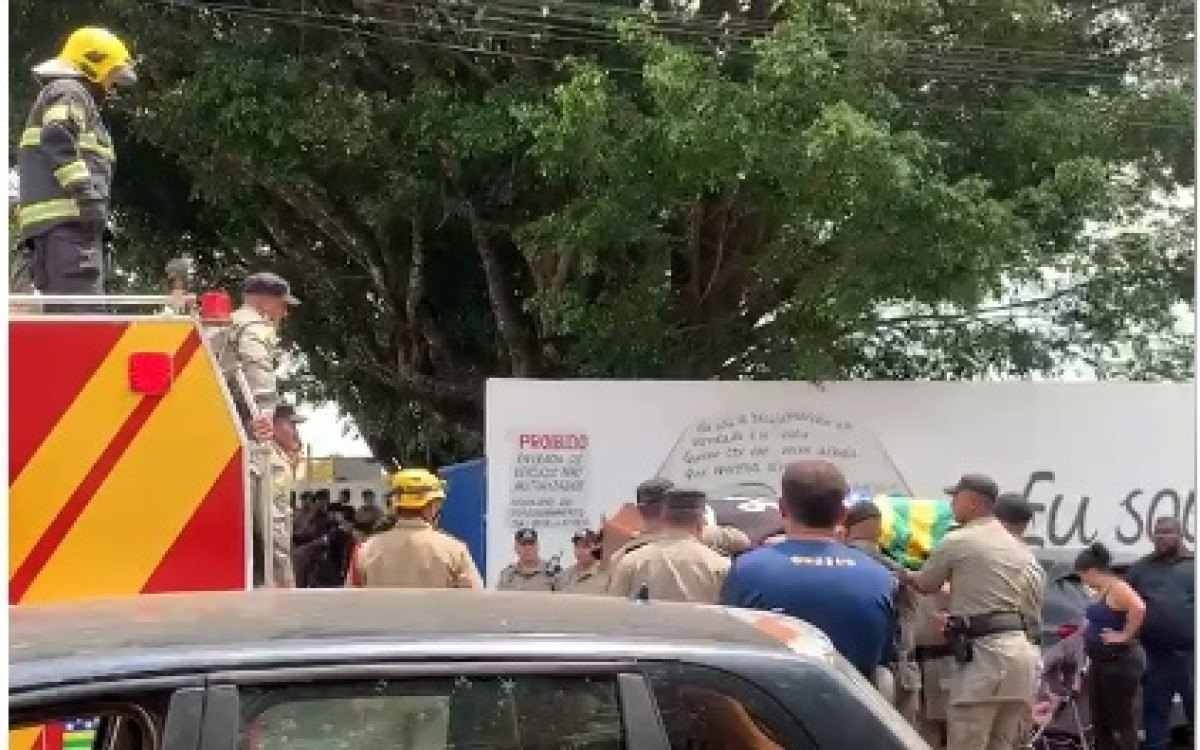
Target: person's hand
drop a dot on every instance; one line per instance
(262, 429)
(1113, 637)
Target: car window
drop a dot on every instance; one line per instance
(519, 713)
(706, 709)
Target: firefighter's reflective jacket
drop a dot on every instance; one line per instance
(66, 160)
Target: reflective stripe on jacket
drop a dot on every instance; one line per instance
(65, 159)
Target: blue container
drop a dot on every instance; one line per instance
(464, 514)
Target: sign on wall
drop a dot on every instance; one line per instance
(1099, 461)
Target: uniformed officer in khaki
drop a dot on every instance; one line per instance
(899, 682)
(414, 554)
(1015, 513)
(589, 574)
(992, 578)
(923, 660)
(284, 447)
(936, 664)
(676, 565)
(529, 572)
(650, 497)
(252, 338)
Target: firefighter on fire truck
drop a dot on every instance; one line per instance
(66, 163)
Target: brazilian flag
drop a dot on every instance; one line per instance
(80, 734)
(912, 527)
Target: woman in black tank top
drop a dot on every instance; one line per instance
(1117, 661)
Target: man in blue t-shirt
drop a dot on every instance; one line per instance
(814, 577)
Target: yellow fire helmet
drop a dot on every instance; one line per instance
(413, 489)
(95, 54)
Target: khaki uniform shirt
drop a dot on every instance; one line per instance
(675, 567)
(254, 345)
(281, 518)
(725, 539)
(513, 578)
(593, 580)
(989, 571)
(633, 543)
(414, 555)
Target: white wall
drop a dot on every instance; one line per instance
(1117, 445)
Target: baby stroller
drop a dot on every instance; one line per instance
(1061, 719)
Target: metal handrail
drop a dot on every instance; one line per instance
(89, 300)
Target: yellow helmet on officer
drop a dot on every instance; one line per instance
(414, 489)
(94, 54)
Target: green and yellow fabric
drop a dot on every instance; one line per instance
(912, 527)
(79, 734)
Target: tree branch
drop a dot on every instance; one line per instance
(512, 331)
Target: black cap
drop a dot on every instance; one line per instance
(679, 498)
(860, 512)
(288, 412)
(653, 491)
(1012, 507)
(977, 483)
(583, 535)
(270, 284)
(525, 536)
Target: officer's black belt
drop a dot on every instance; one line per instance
(991, 623)
(932, 653)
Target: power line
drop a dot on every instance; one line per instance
(537, 12)
(724, 20)
(258, 14)
(951, 74)
(951, 62)
(606, 14)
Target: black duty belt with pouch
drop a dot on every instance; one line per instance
(931, 653)
(961, 631)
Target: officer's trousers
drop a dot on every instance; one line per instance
(68, 259)
(985, 726)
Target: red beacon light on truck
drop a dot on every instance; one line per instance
(215, 307)
(150, 373)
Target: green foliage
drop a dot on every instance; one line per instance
(818, 190)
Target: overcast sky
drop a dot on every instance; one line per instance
(329, 434)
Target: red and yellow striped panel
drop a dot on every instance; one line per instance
(112, 492)
(35, 738)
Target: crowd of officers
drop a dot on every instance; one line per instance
(953, 644)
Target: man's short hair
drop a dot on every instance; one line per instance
(862, 511)
(814, 493)
(1012, 507)
(653, 492)
(684, 507)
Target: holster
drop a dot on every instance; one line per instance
(958, 638)
(961, 631)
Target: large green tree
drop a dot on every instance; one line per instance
(815, 190)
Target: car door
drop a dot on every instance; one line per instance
(107, 716)
(456, 706)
